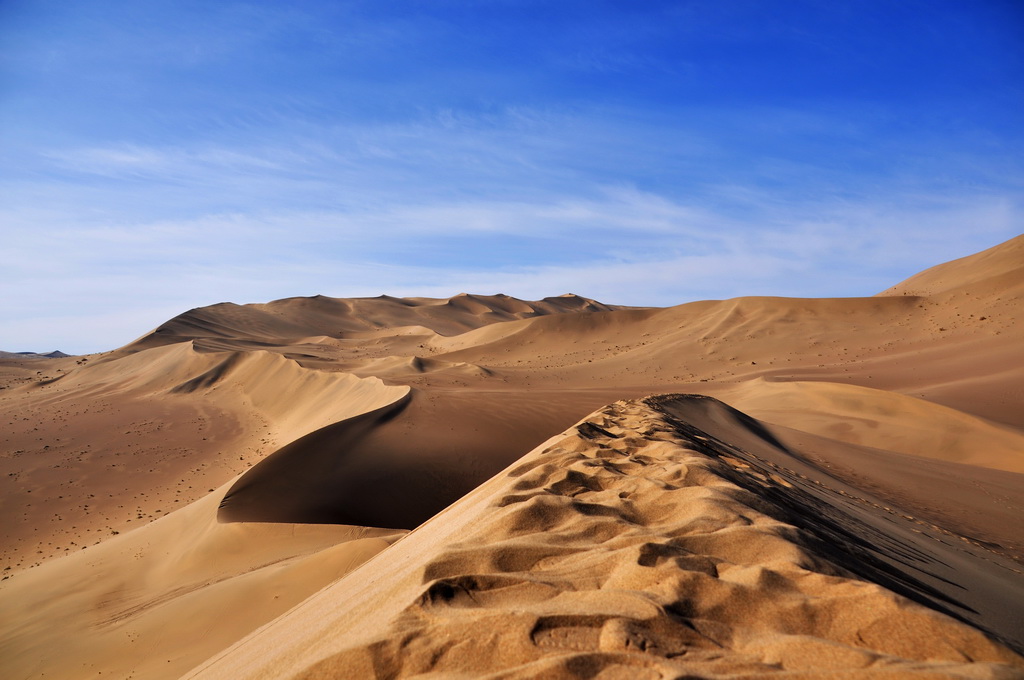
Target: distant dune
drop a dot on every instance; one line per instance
(56, 354)
(481, 486)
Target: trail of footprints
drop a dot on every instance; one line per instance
(618, 552)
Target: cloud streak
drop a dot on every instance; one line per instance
(173, 157)
(674, 253)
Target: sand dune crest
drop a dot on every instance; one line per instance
(881, 419)
(620, 548)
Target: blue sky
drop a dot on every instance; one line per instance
(159, 155)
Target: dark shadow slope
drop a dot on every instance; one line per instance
(854, 528)
(398, 466)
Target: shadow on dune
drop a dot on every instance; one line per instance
(399, 465)
(320, 479)
(849, 525)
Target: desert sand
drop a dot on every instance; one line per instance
(482, 486)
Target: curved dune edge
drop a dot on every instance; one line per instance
(300, 483)
(296, 400)
(123, 440)
(400, 465)
(637, 544)
(880, 419)
(153, 602)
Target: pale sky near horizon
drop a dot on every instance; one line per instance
(157, 156)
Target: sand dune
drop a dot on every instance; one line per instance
(111, 611)
(638, 545)
(428, 451)
(994, 270)
(881, 419)
(276, 323)
(133, 439)
(158, 497)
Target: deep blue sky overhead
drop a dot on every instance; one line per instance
(158, 155)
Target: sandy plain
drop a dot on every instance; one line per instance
(482, 486)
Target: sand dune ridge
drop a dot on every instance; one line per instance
(622, 548)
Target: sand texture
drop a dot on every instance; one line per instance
(638, 545)
(481, 486)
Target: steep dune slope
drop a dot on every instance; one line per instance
(882, 420)
(995, 268)
(637, 544)
(399, 465)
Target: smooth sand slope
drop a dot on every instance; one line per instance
(112, 444)
(242, 450)
(154, 602)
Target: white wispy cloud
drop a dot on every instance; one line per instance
(160, 158)
(625, 247)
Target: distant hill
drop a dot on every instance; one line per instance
(56, 354)
(230, 326)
